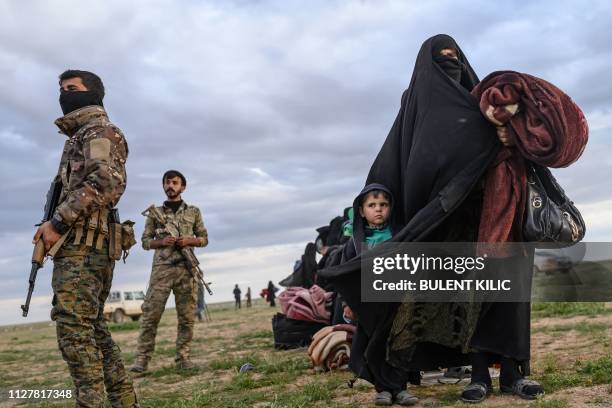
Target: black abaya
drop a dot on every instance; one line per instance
(437, 150)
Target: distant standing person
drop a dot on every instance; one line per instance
(237, 293)
(248, 297)
(170, 273)
(271, 293)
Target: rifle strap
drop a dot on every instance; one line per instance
(56, 247)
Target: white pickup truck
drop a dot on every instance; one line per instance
(123, 304)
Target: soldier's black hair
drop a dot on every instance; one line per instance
(174, 173)
(91, 81)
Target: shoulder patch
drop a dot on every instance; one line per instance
(99, 149)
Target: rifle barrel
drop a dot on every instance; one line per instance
(26, 307)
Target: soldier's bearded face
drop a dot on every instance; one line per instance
(173, 187)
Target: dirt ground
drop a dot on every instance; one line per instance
(571, 356)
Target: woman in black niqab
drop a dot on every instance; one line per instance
(436, 151)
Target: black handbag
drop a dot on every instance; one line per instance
(550, 216)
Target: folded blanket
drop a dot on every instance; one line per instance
(306, 304)
(286, 295)
(547, 128)
(331, 347)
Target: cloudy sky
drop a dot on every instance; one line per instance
(274, 110)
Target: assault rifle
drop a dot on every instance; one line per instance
(192, 262)
(38, 255)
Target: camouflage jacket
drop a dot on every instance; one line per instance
(186, 222)
(92, 167)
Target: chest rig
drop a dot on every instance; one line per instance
(92, 231)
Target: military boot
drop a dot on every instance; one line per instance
(140, 366)
(185, 364)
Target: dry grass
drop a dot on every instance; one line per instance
(572, 356)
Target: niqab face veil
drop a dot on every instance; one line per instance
(453, 67)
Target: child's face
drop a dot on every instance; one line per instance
(375, 209)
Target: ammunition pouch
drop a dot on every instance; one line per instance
(114, 241)
(122, 238)
(128, 238)
(96, 224)
(102, 225)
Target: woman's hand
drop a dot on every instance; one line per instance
(503, 136)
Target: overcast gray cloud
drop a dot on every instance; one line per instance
(274, 110)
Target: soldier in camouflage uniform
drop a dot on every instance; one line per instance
(92, 171)
(183, 227)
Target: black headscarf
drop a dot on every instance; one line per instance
(321, 240)
(304, 275)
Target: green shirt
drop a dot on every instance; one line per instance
(375, 236)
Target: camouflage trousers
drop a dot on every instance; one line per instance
(81, 282)
(164, 279)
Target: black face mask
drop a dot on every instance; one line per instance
(452, 67)
(73, 100)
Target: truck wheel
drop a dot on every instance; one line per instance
(135, 318)
(119, 316)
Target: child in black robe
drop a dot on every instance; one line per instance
(372, 226)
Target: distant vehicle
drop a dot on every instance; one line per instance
(551, 263)
(123, 304)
